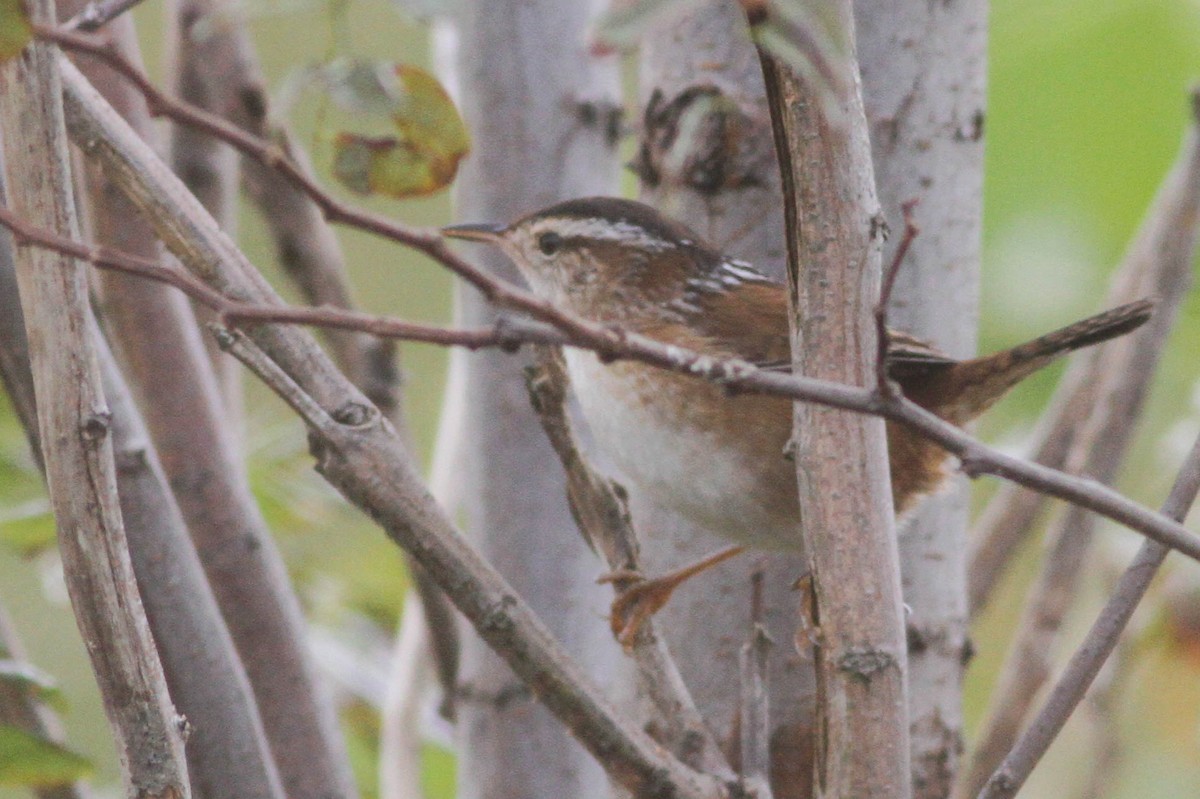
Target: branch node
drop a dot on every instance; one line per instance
(353, 414)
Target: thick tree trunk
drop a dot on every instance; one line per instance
(536, 103)
(923, 69)
(724, 182)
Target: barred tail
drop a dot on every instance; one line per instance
(982, 381)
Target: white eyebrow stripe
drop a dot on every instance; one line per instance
(599, 229)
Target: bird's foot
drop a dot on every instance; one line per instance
(639, 597)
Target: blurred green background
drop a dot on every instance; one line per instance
(1087, 104)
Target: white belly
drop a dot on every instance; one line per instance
(668, 458)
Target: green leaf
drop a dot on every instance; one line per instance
(30, 679)
(26, 759)
(15, 29)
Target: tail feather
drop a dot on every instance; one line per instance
(980, 382)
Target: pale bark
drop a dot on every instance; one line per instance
(75, 432)
(834, 230)
(361, 455)
(524, 75)
(207, 167)
(156, 334)
(727, 188)
(226, 750)
(923, 69)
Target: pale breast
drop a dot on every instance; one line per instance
(716, 460)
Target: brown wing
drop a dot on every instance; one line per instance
(751, 322)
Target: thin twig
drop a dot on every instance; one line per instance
(1159, 260)
(735, 375)
(501, 617)
(755, 698)
(1099, 643)
(1158, 263)
(883, 336)
(599, 507)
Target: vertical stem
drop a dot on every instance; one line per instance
(538, 106)
(74, 424)
(833, 222)
(700, 72)
(924, 68)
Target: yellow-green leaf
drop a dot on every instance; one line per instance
(26, 759)
(15, 30)
(388, 166)
(428, 118)
(430, 140)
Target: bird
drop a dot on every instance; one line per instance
(716, 459)
(719, 459)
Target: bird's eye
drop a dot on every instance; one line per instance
(549, 243)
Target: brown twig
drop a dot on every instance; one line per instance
(599, 507)
(883, 336)
(1099, 643)
(754, 705)
(500, 616)
(736, 375)
(1159, 264)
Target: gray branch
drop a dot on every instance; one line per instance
(75, 427)
(360, 454)
(832, 218)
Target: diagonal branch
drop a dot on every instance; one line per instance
(1099, 643)
(1157, 264)
(1161, 260)
(735, 375)
(599, 507)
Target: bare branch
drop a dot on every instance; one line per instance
(598, 505)
(737, 376)
(755, 700)
(1099, 643)
(1161, 259)
(75, 435)
(344, 449)
(834, 234)
(1158, 264)
(227, 751)
(883, 337)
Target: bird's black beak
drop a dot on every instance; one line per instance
(475, 232)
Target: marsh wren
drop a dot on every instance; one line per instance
(717, 459)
